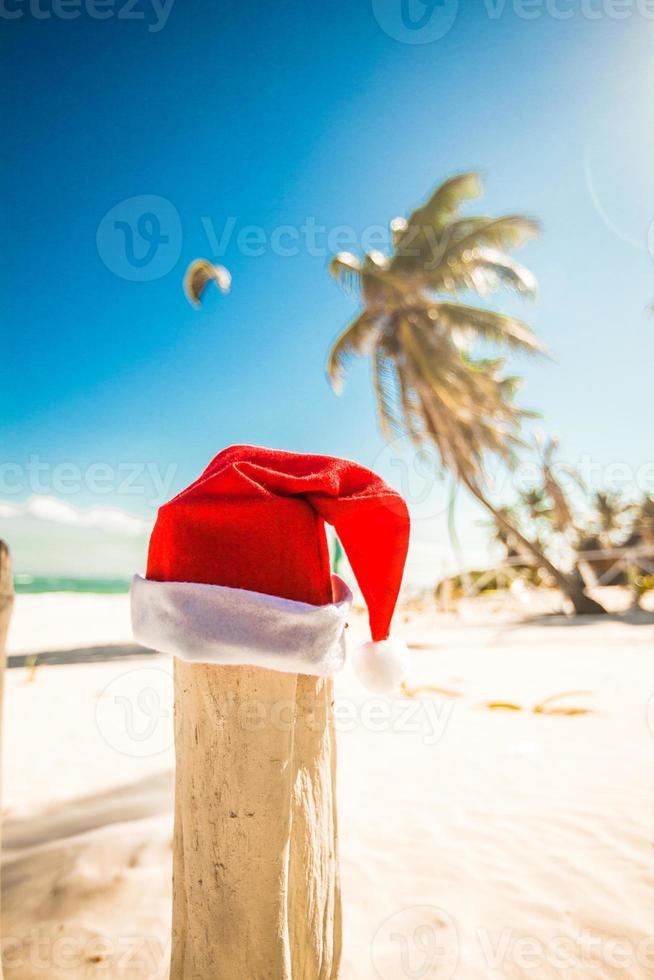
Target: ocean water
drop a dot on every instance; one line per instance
(45, 583)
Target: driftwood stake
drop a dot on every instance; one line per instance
(255, 884)
(6, 605)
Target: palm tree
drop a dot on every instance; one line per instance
(535, 502)
(642, 534)
(610, 512)
(605, 529)
(560, 513)
(518, 555)
(428, 381)
(644, 520)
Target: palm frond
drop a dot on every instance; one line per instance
(445, 201)
(463, 406)
(477, 323)
(386, 385)
(562, 517)
(445, 259)
(491, 269)
(506, 232)
(356, 339)
(410, 406)
(465, 242)
(346, 269)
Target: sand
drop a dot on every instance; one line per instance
(475, 842)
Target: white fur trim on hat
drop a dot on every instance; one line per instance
(382, 665)
(213, 624)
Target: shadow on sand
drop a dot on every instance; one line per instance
(148, 797)
(631, 617)
(82, 655)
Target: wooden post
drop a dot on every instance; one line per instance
(255, 882)
(6, 605)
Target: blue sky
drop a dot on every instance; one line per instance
(295, 114)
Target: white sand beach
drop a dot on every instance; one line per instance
(475, 842)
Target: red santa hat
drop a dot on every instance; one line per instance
(238, 566)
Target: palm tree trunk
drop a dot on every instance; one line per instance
(571, 587)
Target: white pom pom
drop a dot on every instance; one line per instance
(381, 666)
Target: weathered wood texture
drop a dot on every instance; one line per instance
(255, 884)
(6, 605)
